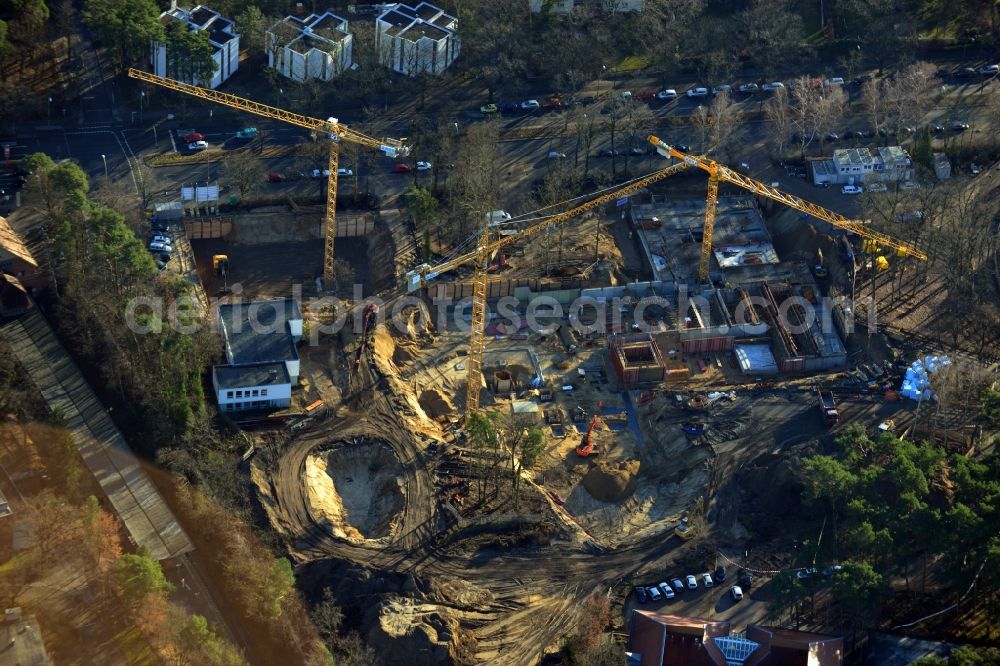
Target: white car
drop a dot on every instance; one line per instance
(989, 69)
(424, 166)
(692, 582)
(909, 185)
(737, 593)
(775, 85)
(707, 580)
(322, 173)
(975, 169)
(198, 145)
(726, 88)
(624, 95)
(667, 592)
(749, 88)
(160, 247)
(851, 189)
(697, 92)
(667, 94)
(160, 238)
(834, 81)
(530, 105)
(344, 171)
(556, 155)
(877, 187)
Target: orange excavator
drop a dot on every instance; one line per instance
(586, 447)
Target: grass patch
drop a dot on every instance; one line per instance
(633, 63)
(15, 563)
(810, 19)
(135, 648)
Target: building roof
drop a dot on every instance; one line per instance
(894, 155)
(201, 18)
(257, 332)
(255, 374)
(12, 243)
(853, 156)
(316, 31)
(422, 20)
(23, 643)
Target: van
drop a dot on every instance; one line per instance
(495, 217)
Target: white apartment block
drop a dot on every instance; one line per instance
(416, 39)
(316, 47)
(222, 35)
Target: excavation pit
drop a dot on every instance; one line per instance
(354, 488)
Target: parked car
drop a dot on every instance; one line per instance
(195, 146)
(935, 127)
(474, 114)
(989, 70)
(160, 247)
(803, 574)
(424, 166)
(959, 126)
(247, 134)
(678, 585)
(737, 593)
(344, 171)
(697, 92)
(509, 107)
(608, 152)
(666, 591)
(692, 582)
(654, 593)
(724, 88)
(640, 594)
(556, 155)
(160, 238)
(636, 150)
(834, 81)
(829, 571)
(647, 95)
(275, 177)
(194, 137)
(706, 578)
(530, 105)
(975, 169)
(683, 147)
(400, 167)
(863, 78)
(720, 574)
(552, 103)
(624, 95)
(909, 185)
(774, 85)
(832, 136)
(667, 94)
(877, 187)
(488, 108)
(749, 88)
(321, 173)
(851, 189)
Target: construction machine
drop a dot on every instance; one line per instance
(331, 127)
(220, 264)
(369, 316)
(586, 446)
(719, 172)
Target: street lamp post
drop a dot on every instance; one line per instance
(49, 112)
(142, 101)
(105, 159)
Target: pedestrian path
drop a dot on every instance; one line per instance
(147, 518)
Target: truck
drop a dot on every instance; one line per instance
(828, 407)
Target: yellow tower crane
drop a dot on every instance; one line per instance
(481, 256)
(718, 172)
(335, 130)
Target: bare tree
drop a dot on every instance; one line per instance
(244, 172)
(702, 121)
(777, 110)
(875, 103)
(725, 119)
(829, 108)
(478, 193)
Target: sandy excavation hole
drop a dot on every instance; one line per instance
(354, 488)
(435, 404)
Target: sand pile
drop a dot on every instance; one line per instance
(354, 489)
(611, 482)
(435, 404)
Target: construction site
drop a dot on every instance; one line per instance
(662, 401)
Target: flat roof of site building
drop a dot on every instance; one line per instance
(671, 231)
